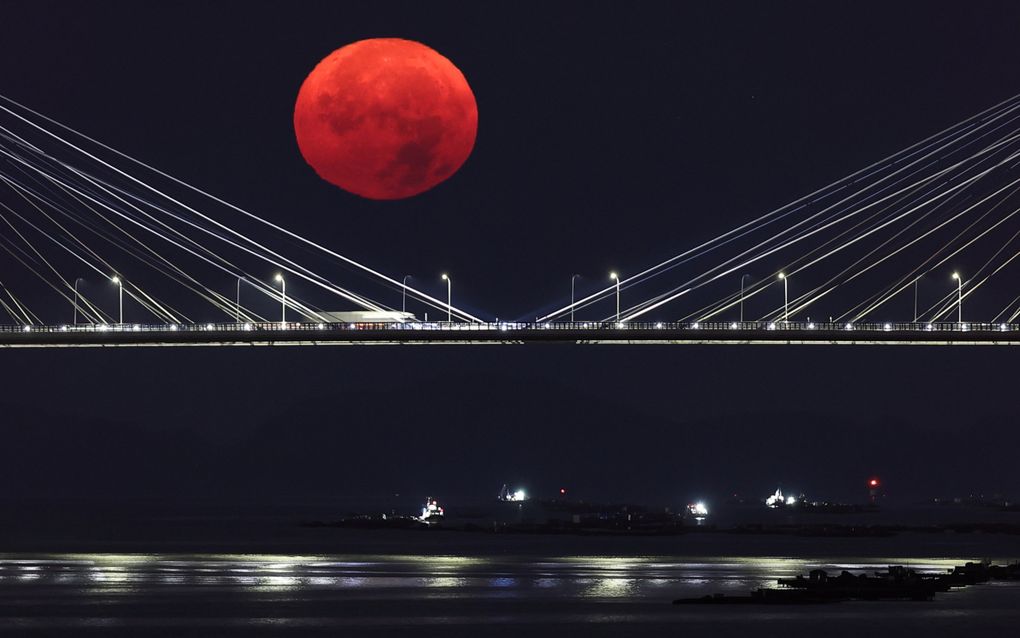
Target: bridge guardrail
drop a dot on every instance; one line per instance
(578, 326)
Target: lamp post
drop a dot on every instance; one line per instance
(615, 277)
(283, 297)
(742, 277)
(403, 298)
(572, 279)
(786, 298)
(959, 297)
(915, 298)
(449, 303)
(120, 296)
(237, 301)
(76, 299)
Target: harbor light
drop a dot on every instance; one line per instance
(698, 509)
(518, 495)
(779, 500)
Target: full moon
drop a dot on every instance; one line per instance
(385, 118)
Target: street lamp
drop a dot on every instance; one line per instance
(283, 297)
(449, 304)
(786, 299)
(572, 279)
(120, 286)
(959, 297)
(403, 299)
(615, 277)
(742, 277)
(915, 298)
(76, 299)
(237, 301)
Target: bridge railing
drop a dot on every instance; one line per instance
(575, 326)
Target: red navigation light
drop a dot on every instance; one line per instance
(563, 491)
(873, 482)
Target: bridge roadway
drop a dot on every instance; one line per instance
(316, 334)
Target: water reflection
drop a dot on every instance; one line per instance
(581, 577)
(610, 588)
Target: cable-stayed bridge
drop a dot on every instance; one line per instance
(424, 333)
(939, 215)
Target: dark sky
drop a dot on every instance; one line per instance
(611, 135)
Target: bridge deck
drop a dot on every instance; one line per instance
(263, 334)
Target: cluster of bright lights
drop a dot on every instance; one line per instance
(698, 509)
(432, 509)
(778, 499)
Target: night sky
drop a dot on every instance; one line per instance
(611, 136)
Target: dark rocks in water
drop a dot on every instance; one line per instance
(896, 583)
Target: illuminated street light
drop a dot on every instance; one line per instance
(76, 299)
(615, 277)
(742, 277)
(915, 298)
(449, 296)
(959, 297)
(283, 297)
(572, 279)
(120, 286)
(403, 298)
(237, 302)
(786, 298)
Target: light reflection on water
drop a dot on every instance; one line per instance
(580, 577)
(149, 595)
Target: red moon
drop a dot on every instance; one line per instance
(385, 118)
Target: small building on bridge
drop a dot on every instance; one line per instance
(367, 316)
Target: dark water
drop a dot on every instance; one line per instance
(477, 595)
